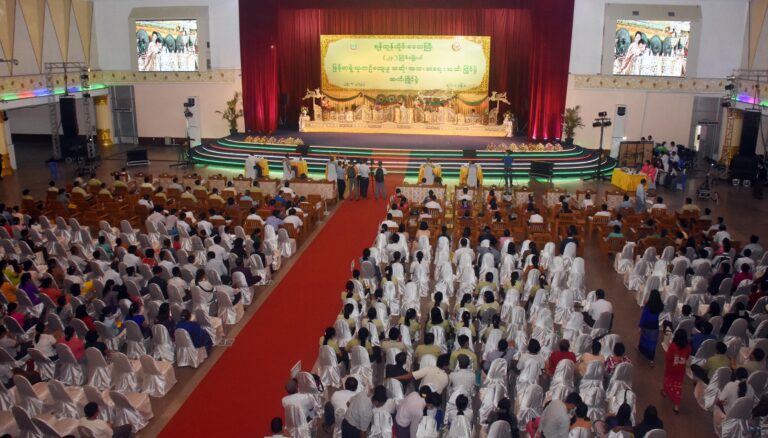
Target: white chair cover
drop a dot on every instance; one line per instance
(381, 426)
(360, 365)
(594, 398)
(327, 367)
(563, 380)
(716, 384)
(736, 423)
(68, 369)
(67, 401)
(531, 404)
(186, 353)
(158, 377)
(43, 364)
(489, 399)
(134, 340)
(132, 408)
(162, 346)
(124, 373)
(500, 429)
(31, 398)
(99, 373)
(593, 377)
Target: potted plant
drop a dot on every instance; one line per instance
(231, 114)
(571, 121)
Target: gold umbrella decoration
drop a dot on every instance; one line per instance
(496, 97)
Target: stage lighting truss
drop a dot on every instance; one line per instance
(743, 89)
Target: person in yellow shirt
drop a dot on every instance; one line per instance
(329, 339)
(214, 196)
(79, 190)
(104, 191)
(436, 320)
(188, 194)
(361, 339)
(147, 184)
(371, 317)
(690, 207)
(411, 321)
(118, 183)
(94, 182)
(466, 303)
(466, 321)
(26, 195)
(464, 349)
(427, 348)
(346, 315)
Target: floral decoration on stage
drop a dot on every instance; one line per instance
(524, 147)
(273, 140)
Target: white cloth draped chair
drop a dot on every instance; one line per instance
(489, 399)
(394, 389)
(162, 345)
(287, 244)
(328, 368)
(736, 422)
(360, 366)
(229, 313)
(125, 372)
(624, 263)
(134, 340)
(563, 380)
(45, 366)
(68, 401)
(68, 369)
(530, 405)
(187, 355)
(210, 324)
(594, 398)
(158, 377)
(296, 423)
(381, 426)
(7, 397)
(499, 429)
(131, 408)
(37, 426)
(708, 396)
(31, 398)
(593, 377)
(99, 372)
(101, 398)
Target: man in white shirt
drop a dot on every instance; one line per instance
(536, 217)
(157, 217)
(754, 247)
(599, 306)
(364, 173)
(410, 412)
(217, 249)
(130, 258)
(204, 225)
(389, 222)
(464, 377)
(463, 249)
(721, 234)
(293, 219)
(465, 196)
(100, 428)
(215, 264)
(287, 189)
(434, 377)
(432, 204)
(254, 216)
(305, 402)
(659, 205)
(340, 398)
(746, 258)
(603, 211)
(395, 212)
(145, 201)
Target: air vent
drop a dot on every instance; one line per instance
(670, 14)
(635, 13)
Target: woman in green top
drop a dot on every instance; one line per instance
(465, 303)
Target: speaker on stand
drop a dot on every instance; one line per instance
(69, 128)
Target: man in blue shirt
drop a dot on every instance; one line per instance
(274, 220)
(508, 179)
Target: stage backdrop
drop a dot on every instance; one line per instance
(529, 56)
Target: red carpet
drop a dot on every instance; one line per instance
(242, 391)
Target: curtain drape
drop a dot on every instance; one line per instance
(518, 31)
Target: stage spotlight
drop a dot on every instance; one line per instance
(602, 114)
(725, 104)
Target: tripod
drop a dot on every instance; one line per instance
(601, 122)
(184, 157)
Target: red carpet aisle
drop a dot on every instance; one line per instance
(242, 391)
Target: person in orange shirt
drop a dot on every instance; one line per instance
(46, 288)
(8, 289)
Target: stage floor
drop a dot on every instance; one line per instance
(572, 162)
(396, 141)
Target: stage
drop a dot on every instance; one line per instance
(401, 154)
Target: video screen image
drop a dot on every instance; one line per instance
(651, 48)
(167, 45)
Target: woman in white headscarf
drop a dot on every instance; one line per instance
(358, 417)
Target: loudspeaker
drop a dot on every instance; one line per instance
(749, 131)
(68, 116)
(542, 169)
(744, 166)
(469, 153)
(283, 99)
(302, 149)
(621, 110)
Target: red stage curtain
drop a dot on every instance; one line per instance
(516, 35)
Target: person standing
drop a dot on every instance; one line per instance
(640, 205)
(674, 368)
(364, 173)
(649, 326)
(341, 184)
(508, 161)
(352, 180)
(380, 190)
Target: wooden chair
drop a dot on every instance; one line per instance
(600, 222)
(612, 245)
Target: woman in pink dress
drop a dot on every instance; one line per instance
(674, 370)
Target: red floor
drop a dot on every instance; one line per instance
(242, 391)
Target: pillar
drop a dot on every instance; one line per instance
(7, 170)
(103, 120)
